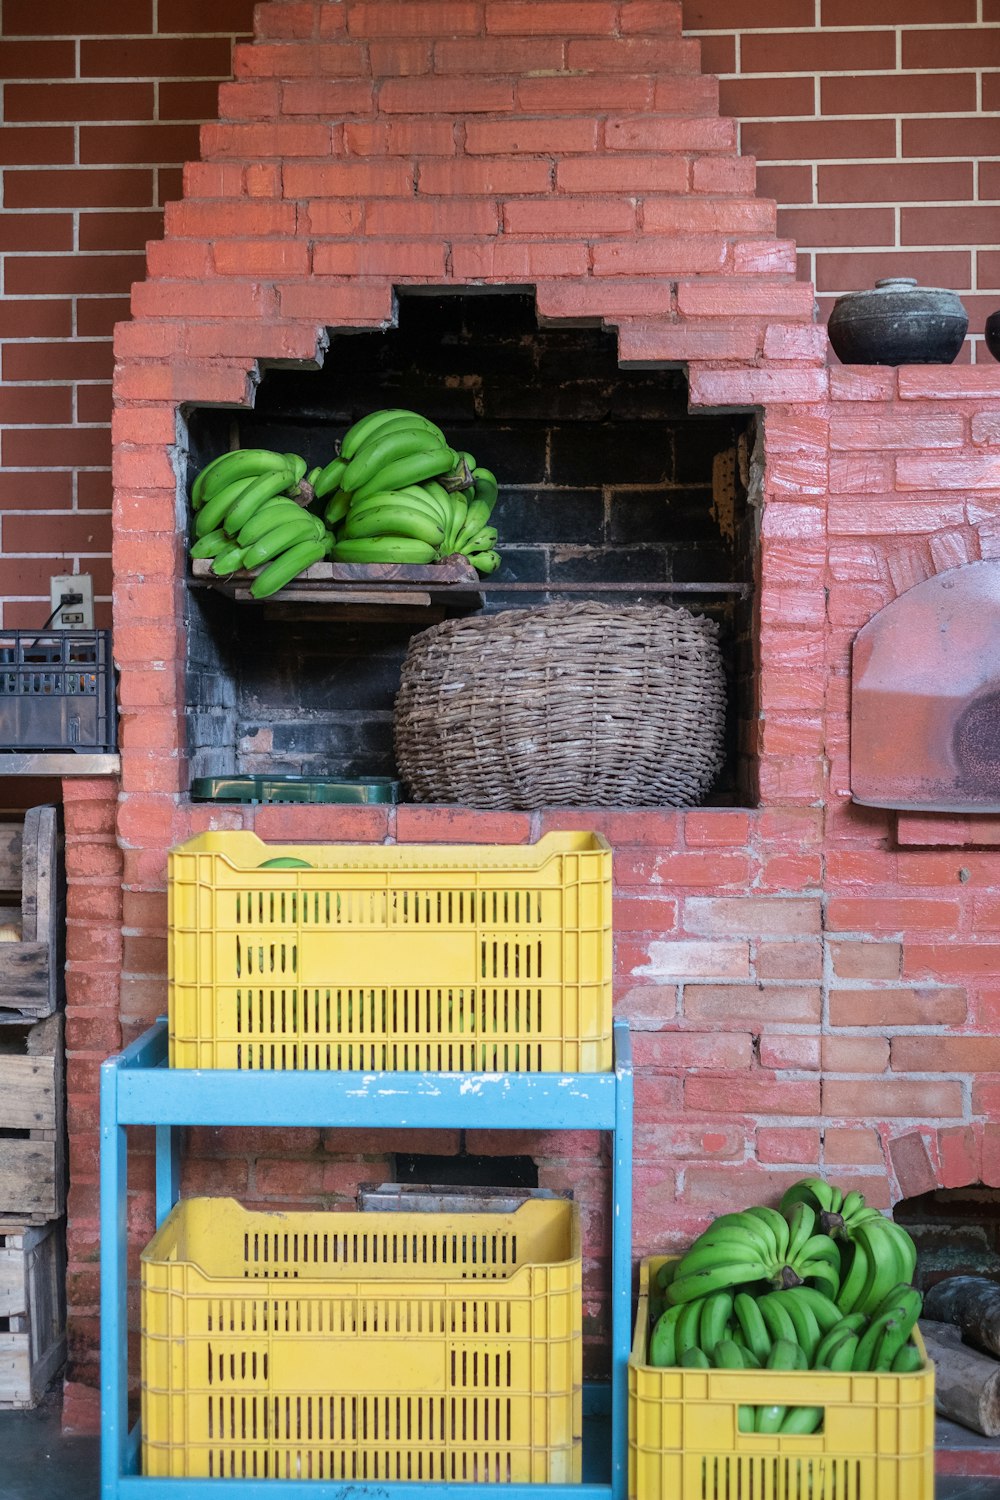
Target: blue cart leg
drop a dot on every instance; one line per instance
(114, 1317)
(621, 1266)
(168, 1170)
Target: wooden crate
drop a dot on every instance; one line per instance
(32, 1311)
(32, 1137)
(32, 896)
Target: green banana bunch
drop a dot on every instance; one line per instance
(757, 1245)
(241, 463)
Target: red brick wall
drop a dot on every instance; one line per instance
(873, 126)
(100, 107)
(874, 138)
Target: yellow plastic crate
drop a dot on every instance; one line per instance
(407, 957)
(876, 1441)
(376, 1346)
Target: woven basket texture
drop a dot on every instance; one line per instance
(580, 704)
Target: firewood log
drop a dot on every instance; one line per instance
(972, 1303)
(966, 1384)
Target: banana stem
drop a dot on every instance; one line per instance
(831, 1223)
(788, 1278)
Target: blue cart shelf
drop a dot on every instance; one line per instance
(138, 1088)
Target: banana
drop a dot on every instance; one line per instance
(864, 1354)
(853, 1323)
(821, 1247)
(840, 1356)
(211, 544)
(807, 1331)
(386, 448)
(229, 560)
(686, 1336)
(312, 477)
(801, 1223)
(440, 510)
(715, 1315)
(459, 508)
(212, 513)
(784, 1355)
(896, 1326)
(411, 419)
(811, 1190)
(822, 1275)
(216, 510)
(884, 1271)
(485, 488)
(727, 1355)
(410, 469)
(249, 504)
(328, 478)
(663, 1340)
(777, 1224)
(907, 1361)
(751, 1321)
(240, 463)
(394, 520)
(298, 467)
(366, 426)
(717, 1279)
(423, 504)
(356, 434)
(476, 517)
(336, 507)
(891, 1299)
(484, 541)
(853, 1283)
(286, 567)
(824, 1309)
(485, 562)
(708, 1255)
(801, 1420)
(384, 549)
(905, 1248)
(695, 1359)
(851, 1205)
(270, 514)
(740, 1225)
(281, 538)
(777, 1319)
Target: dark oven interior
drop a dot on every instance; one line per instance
(609, 487)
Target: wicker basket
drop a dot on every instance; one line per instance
(572, 704)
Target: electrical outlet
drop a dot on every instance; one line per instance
(78, 615)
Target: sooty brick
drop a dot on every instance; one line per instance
(550, 515)
(607, 564)
(609, 453)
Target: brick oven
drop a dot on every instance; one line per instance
(812, 983)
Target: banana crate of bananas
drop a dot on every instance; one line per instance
(810, 1310)
(396, 492)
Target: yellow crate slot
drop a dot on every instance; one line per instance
(406, 957)
(376, 1346)
(876, 1441)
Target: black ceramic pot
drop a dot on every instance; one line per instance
(992, 332)
(898, 322)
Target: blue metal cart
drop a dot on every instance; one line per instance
(138, 1088)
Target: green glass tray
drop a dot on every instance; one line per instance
(293, 789)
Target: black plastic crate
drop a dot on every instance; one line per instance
(57, 690)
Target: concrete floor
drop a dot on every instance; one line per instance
(38, 1463)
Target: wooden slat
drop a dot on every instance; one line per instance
(34, 1346)
(27, 1093)
(10, 856)
(25, 977)
(28, 1177)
